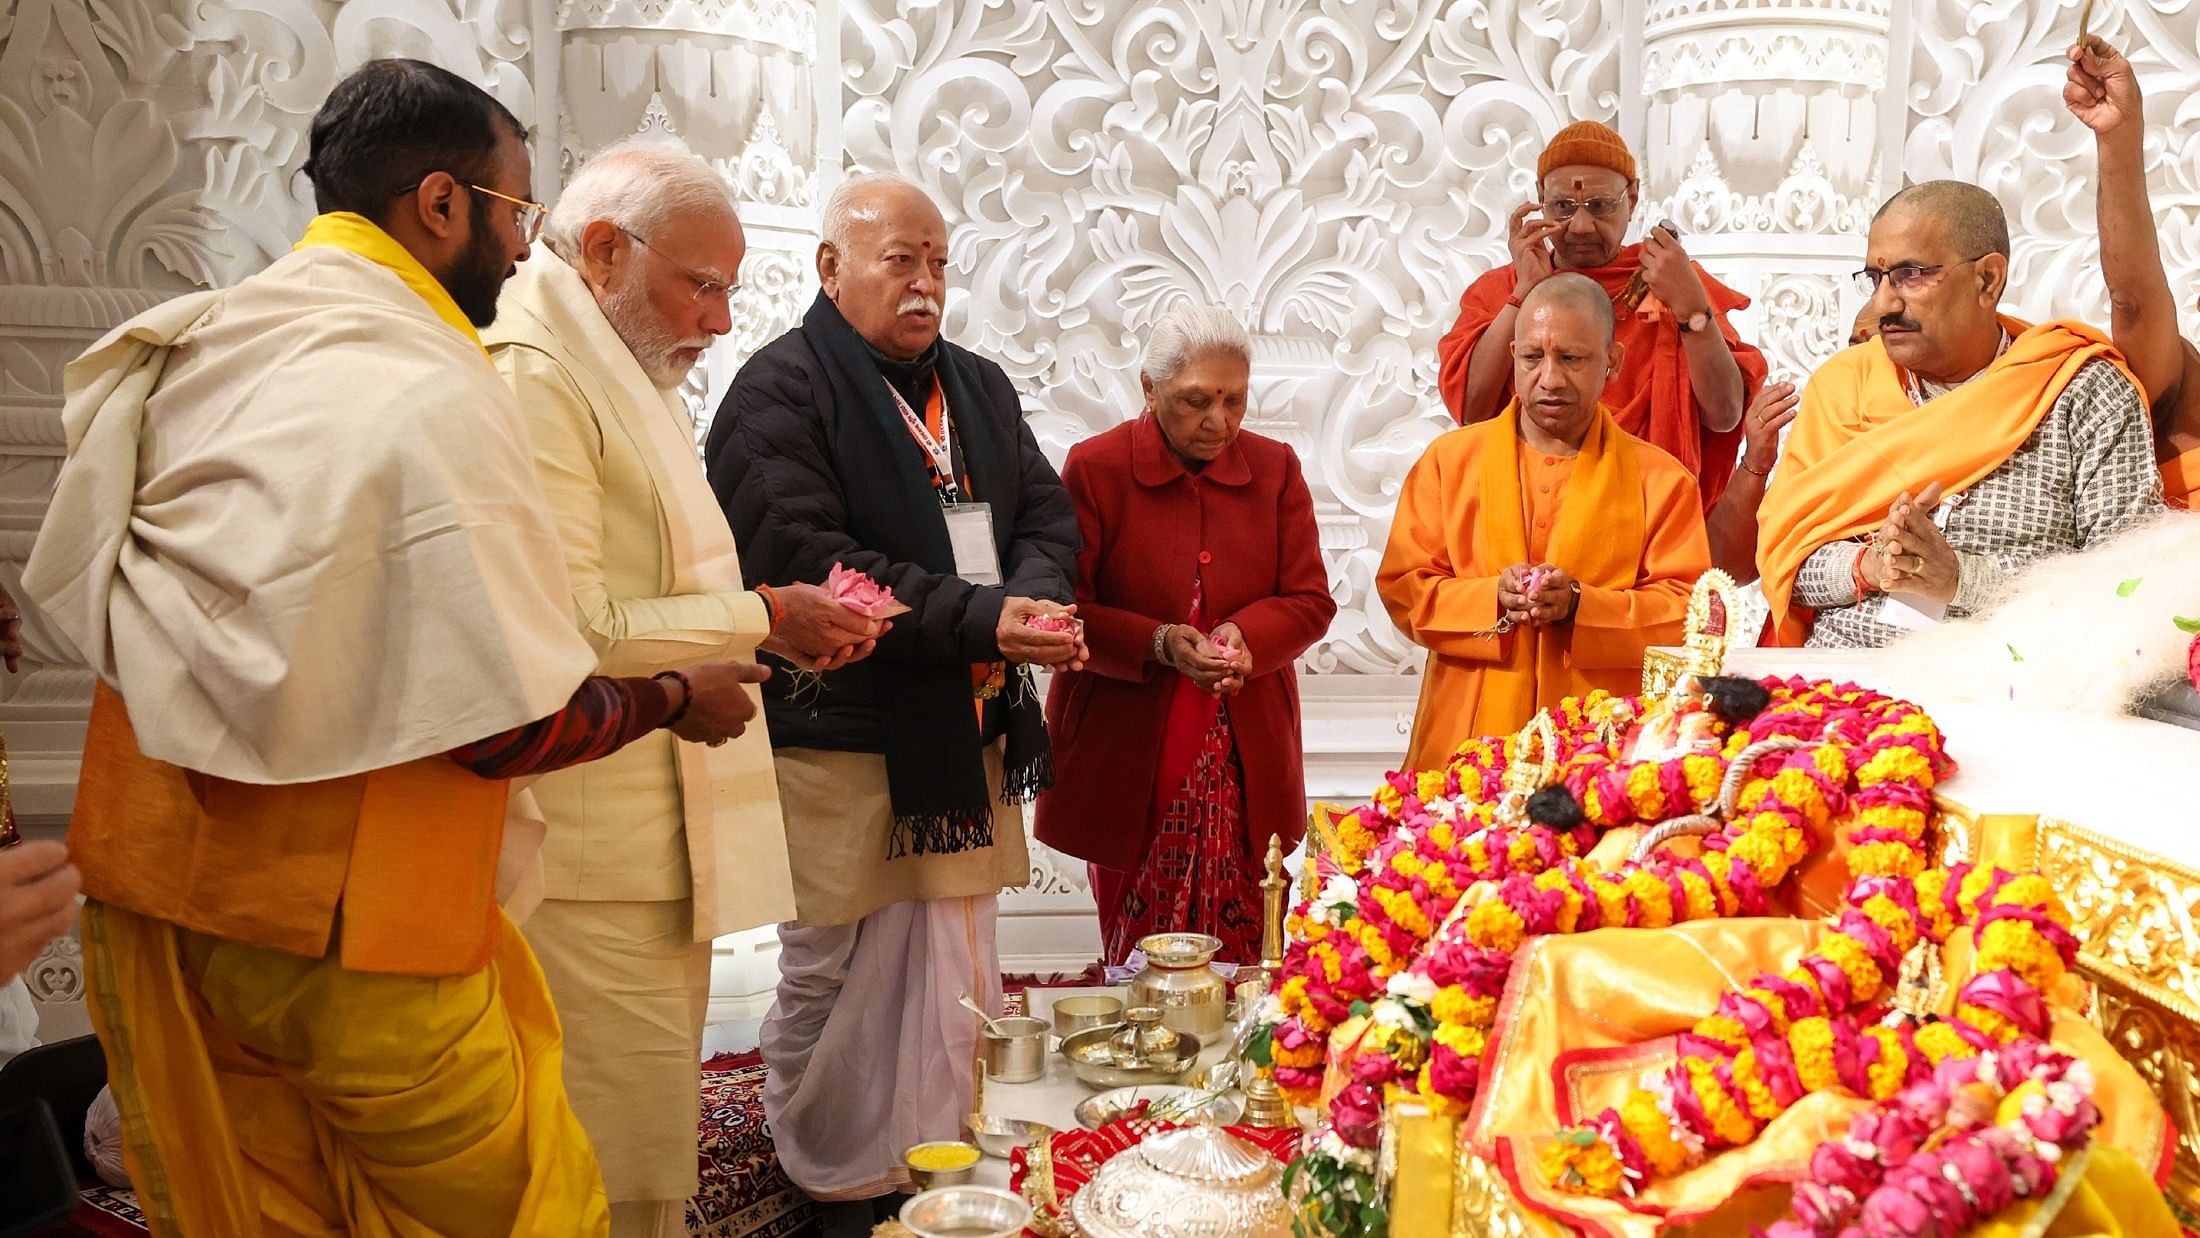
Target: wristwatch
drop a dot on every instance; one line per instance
(1698, 321)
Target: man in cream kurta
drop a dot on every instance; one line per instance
(652, 853)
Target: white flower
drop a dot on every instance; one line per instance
(1411, 986)
(1393, 1013)
(1271, 1009)
(1328, 1145)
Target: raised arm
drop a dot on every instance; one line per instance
(2103, 93)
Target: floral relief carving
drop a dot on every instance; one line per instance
(1333, 175)
(1986, 106)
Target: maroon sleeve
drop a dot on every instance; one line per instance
(604, 716)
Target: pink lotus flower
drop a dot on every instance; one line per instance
(862, 594)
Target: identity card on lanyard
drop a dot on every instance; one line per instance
(969, 525)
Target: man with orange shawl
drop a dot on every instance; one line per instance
(2142, 317)
(1536, 554)
(1929, 465)
(1686, 376)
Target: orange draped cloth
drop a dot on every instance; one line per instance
(1859, 442)
(2181, 480)
(1550, 1065)
(1650, 395)
(1622, 517)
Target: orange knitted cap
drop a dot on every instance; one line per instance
(1586, 143)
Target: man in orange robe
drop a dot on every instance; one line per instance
(1686, 376)
(2037, 435)
(2142, 317)
(1535, 554)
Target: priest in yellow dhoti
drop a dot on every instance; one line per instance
(299, 538)
(1535, 555)
(649, 854)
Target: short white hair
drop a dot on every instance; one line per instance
(638, 185)
(1186, 332)
(842, 212)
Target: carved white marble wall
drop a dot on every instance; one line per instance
(1985, 105)
(1762, 146)
(733, 81)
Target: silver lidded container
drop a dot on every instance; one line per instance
(1194, 1182)
(1178, 979)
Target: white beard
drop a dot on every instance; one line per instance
(655, 347)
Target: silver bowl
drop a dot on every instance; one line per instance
(1091, 1055)
(978, 1211)
(927, 1179)
(1180, 1105)
(1074, 1014)
(997, 1136)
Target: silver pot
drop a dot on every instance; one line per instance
(1179, 980)
(1020, 1056)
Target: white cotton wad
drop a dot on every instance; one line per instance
(103, 1140)
(2087, 633)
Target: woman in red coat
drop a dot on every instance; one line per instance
(1176, 748)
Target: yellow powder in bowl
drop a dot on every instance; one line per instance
(941, 1156)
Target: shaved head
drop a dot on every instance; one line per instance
(1577, 292)
(1972, 217)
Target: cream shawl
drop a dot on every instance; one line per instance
(736, 842)
(298, 530)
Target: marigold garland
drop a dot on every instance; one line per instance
(1818, 1026)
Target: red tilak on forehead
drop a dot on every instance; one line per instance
(1579, 184)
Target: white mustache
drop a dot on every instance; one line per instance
(913, 302)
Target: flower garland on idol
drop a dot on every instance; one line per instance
(1427, 892)
(1824, 1026)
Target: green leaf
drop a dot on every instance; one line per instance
(1260, 1050)
(2129, 587)
(2014, 656)
(2186, 625)
(1361, 1009)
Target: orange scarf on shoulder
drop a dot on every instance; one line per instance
(1598, 540)
(1859, 442)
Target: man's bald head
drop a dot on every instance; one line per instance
(1576, 292)
(1937, 264)
(1563, 354)
(1973, 218)
(883, 262)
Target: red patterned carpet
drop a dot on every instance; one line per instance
(743, 1195)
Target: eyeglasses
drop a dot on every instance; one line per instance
(706, 287)
(1563, 209)
(532, 215)
(1908, 277)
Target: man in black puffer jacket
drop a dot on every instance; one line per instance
(863, 439)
